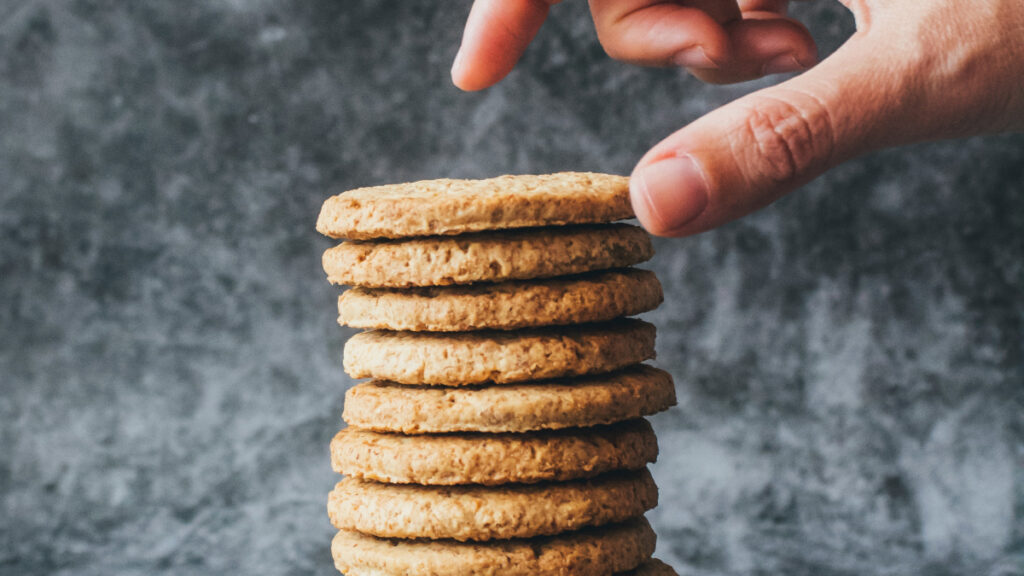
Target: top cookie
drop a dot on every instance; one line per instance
(444, 207)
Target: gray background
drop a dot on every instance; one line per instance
(850, 361)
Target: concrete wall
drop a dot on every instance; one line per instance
(850, 361)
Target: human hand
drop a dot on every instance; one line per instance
(914, 71)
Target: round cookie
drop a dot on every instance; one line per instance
(482, 513)
(493, 459)
(486, 256)
(500, 357)
(591, 552)
(589, 401)
(594, 297)
(434, 207)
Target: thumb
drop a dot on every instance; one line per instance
(749, 153)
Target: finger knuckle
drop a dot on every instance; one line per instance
(785, 137)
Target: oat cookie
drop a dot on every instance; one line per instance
(493, 459)
(594, 297)
(588, 401)
(590, 552)
(433, 207)
(501, 357)
(486, 256)
(483, 513)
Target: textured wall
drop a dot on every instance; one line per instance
(850, 362)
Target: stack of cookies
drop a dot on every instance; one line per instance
(502, 431)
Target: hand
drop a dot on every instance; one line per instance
(915, 70)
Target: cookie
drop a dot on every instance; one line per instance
(486, 256)
(654, 567)
(594, 297)
(483, 513)
(433, 207)
(465, 358)
(588, 401)
(591, 552)
(493, 459)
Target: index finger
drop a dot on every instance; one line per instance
(497, 33)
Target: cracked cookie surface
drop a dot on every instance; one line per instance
(446, 206)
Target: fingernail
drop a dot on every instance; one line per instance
(694, 57)
(457, 63)
(783, 64)
(669, 193)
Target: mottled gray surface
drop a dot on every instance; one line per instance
(850, 362)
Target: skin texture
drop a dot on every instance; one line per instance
(914, 71)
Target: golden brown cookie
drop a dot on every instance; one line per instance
(588, 401)
(594, 297)
(493, 459)
(486, 256)
(483, 513)
(489, 356)
(590, 552)
(433, 207)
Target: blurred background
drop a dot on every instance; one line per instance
(849, 361)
